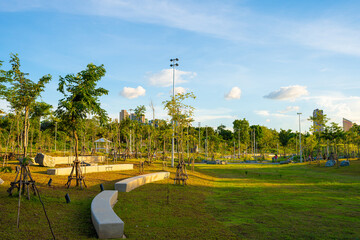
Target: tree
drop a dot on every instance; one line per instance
(40, 109)
(242, 126)
(284, 138)
(139, 113)
(81, 97)
(22, 92)
(224, 133)
(180, 113)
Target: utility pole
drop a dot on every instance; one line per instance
(173, 65)
(300, 137)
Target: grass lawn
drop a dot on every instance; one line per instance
(220, 202)
(287, 201)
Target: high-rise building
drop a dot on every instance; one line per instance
(123, 115)
(347, 124)
(318, 116)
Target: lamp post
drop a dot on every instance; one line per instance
(173, 65)
(55, 134)
(199, 139)
(206, 143)
(130, 110)
(300, 137)
(239, 145)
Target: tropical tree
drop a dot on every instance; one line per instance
(181, 115)
(39, 110)
(81, 97)
(21, 93)
(284, 138)
(242, 128)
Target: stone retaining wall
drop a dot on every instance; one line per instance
(91, 169)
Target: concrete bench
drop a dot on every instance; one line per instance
(129, 184)
(104, 219)
(91, 169)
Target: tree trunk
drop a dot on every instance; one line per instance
(76, 162)
(76, 145)
(26, 130)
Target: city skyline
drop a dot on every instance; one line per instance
(242, 59)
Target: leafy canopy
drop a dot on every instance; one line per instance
(81, 97)
(21, 92)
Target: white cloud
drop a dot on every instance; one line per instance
(288, 93)
(262, 112)
(290, 109)
(337, 106)
(266, 113)
(131, 93)
(203, 115)
(235, 93)
(180, 90)
(165, 77)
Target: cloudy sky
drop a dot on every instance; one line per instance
(260, 60)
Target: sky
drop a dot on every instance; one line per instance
(264, 61)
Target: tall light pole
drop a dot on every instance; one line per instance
(239, 145)
(130, 110)
(173, 65)
(55, 134)
(199, 139)
(206, 143)
(300, 137)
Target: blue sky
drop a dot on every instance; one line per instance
(260, 60)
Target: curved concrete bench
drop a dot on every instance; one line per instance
(129, 184)
(105, 220)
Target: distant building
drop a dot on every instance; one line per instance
(347, 124)
(133, 117)
(318, 124)
(123, 115)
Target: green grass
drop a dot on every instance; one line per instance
(287, 201)
(238, 201)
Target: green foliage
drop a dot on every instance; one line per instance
(258, 131)
(180, 112)
(5, 169)
(140, 111)
(244, 127)
(285, 136)
(224, 133)
(81, 97)
(22, 92)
